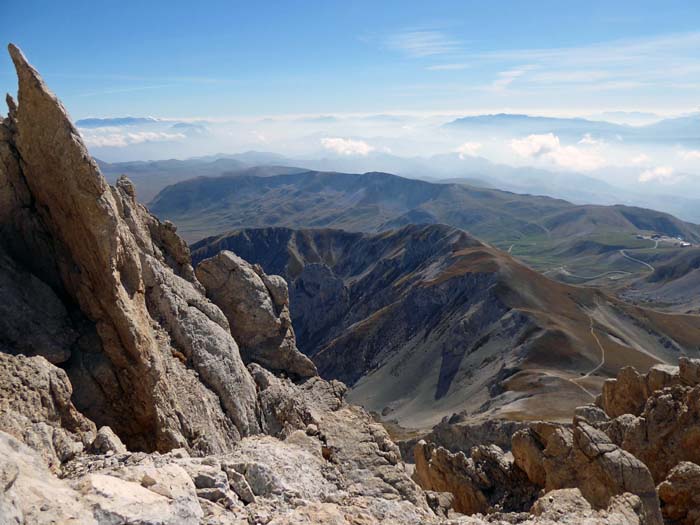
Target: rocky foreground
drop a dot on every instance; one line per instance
(136, 390)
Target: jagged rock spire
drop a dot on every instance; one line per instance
(166, 370)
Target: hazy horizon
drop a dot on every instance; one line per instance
(354, 83)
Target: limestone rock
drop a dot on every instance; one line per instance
(689, 371)
(461, 432)
(666, 432)
(569, 506)
(257, 308)
(484, 482)
(114, 500)
(107, 441)
(29, 493)
(624, 395)
(33, 320)
(585, 458)
(36, 408)
(611, 471)
(680, 494)
(528, 455)
(167, 370)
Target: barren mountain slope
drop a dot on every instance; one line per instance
(379, 201)
(426, 321)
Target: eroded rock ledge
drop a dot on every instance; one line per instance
(640, 439)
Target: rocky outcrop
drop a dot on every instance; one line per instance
(167, 371)
(36, 408)
(29, 493)
(460, 432)
(628, 393)
(666, 430)
(257, 308)
(333, 461)
(680, 494)
(484, 482)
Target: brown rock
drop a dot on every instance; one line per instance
(680, 494)
(667, 431)
(484, 482)
(689, 371)
(624, 395)
(528, 455)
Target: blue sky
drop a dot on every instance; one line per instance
(222, 59)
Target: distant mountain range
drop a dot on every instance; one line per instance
(115, 121)
(379, 201)
(684, 130)
(426, 321)
(151, 177)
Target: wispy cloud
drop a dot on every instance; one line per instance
(447, 67)
(692, 154)
(506, 78)
(641, 159)
(111, 137)
(419, 44)
(612, 65)
(659, 174)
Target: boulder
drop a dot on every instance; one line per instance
(29, 493)
(107, 441)
(36, 408)
(114, 500)
(624, 395)
(257, 308)
(680, 494)
(569, 506)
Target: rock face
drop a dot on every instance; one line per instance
(257, 308)
(680, 494)
(667, 430)
(168, 371)
(33, 320)
(481, 483)
(36, 408)
(636, 450)
(585, 458)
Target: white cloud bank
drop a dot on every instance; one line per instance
(469, 149)
(110, 137)
(547, 147)
(343, 146)
(692, 154)
(658, 174)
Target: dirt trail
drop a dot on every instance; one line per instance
(602, 359)
(624, 254)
